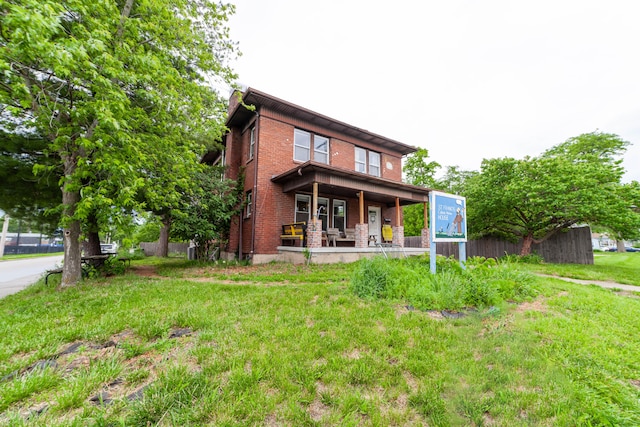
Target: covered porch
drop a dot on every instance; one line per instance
(374, 207)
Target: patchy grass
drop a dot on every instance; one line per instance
(608, 266)
(196, 344)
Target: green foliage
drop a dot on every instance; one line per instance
(413, 219)
(536, 197)
(207, 218)
(418, 170)
(482, 284)
(149, 231)
(454, 181)
(126, 108)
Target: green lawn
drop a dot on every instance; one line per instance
(608, 266)
(291, 345)
(21, 256)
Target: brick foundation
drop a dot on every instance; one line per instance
(314, 234)
(398, 235)
(362, 235)
(425, 241)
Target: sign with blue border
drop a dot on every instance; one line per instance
(448, 217)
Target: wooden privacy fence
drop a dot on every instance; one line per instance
(150, 248)
(571, 247)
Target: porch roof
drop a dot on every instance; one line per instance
(347, 183)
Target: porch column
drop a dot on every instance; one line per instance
(398, 229)
(362, 228)
(314, 233)
(314, 202)
(425, 240)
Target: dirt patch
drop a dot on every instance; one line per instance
(539, 305)
(146, 271)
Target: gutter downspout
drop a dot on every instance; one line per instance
(255, 183)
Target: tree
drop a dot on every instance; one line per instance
(534, 198)
(207, 218)
(108, 86)
(454, 180)
(623, 218)
(418, 171)
(22, 194)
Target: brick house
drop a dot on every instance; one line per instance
(301, 166)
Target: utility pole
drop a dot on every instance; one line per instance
(3, 239)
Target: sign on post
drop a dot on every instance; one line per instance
(448, 223)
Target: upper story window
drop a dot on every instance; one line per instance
(248, 204)
(367, 161)
(305, 143)
(252, 142)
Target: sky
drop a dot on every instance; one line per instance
(465, 79)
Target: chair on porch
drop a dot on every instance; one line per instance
(332, 235)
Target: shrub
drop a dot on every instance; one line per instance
(483, 283)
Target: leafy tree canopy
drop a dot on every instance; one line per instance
(207, 218)
(575, 182)
(111, 87)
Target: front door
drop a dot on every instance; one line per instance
(375, 224)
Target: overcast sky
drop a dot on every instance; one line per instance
(465, 79)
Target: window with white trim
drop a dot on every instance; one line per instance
(252, 142)
(320, 149)
(323, 212)
(305, 144)
(374, 163)
(339, 217)
(303, 205)
(249, 204)
(361, 160)
(301, 145)
(367, 161)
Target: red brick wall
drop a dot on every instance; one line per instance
(274, 155)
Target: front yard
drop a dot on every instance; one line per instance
(191, 344)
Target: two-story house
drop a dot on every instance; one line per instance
(303, 167)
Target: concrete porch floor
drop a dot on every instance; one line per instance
(329, 255)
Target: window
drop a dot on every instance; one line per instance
(304, 143)
(374, 163)
(248, 205)
(252, 142)
(361, 160)
(303, 205)
(367, 161)
(323, 212)
(339, 214)
(320, 149)
(301, 145)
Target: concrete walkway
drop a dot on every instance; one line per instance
(608, 285)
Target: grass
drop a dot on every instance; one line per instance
(21, 256)
(279, 344)
(608, 266)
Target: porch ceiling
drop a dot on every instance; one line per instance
(346, 183)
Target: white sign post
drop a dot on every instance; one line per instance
(448, 223)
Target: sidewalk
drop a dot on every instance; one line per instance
(608, 285)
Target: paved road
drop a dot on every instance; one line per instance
(17, 274)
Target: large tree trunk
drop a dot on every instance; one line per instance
(72, 266)
(92, 244)
(620, 246)
(163, 241)
(526, 245)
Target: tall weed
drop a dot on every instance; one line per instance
(483, 283)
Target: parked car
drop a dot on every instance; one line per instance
(630, 249)
(109, 248)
